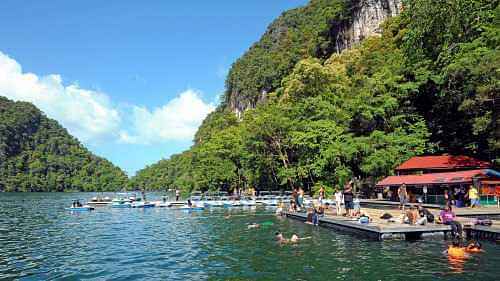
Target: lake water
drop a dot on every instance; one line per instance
(40, 240)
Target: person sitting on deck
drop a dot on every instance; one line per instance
(447, 216)
(320, 211)
(425, 215)
(356, 211)
(411, 216)
(364, 218)
(312, 217)
(293, 207)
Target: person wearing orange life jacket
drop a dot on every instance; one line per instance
(456, 251)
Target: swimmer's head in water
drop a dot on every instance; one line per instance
(475, 245)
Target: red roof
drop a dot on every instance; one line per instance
(434, 178)
(442, 162)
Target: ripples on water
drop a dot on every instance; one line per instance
(39, 240)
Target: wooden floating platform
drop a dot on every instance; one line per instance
(460, 212)
(399, 231)
(375, 231)
(480, 232)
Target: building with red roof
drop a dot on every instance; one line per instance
(433, 176)
(439, 164)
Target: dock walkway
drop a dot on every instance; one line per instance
(460, 212)
(375, 230)
(382, 231)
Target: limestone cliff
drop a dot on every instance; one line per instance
(367, 15)
(316, 30)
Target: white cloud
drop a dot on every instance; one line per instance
(87, 114)
(176, 120)
(93, 118)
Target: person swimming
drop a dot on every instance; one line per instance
(253, 225)
(474, 247)
(456, 251)
(294, 239)
(280, 238)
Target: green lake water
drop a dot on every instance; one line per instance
(40, 240)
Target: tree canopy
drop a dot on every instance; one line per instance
(428, 84)
(37, 154)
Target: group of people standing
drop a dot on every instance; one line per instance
(343, 199)
(457, 196)
(347, 199)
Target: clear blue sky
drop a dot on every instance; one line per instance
(138, 55)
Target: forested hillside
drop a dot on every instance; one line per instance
(37, 154)
(429, 84)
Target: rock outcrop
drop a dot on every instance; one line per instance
(365, 17)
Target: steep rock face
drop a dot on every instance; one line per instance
(238, 105)
(363, 19)
(366, 18)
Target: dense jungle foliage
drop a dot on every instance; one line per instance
(428, 84)
(37, 154)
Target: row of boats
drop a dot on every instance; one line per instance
(197, 201)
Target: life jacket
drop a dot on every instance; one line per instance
(456, 252)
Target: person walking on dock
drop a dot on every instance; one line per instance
(403, 197)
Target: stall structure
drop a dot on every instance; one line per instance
(429, 178)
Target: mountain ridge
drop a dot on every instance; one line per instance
(38, 154)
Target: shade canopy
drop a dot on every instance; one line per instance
(435, 178)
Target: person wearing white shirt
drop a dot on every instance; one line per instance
(339, 198)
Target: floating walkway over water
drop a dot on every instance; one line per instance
(380, 231)
(375, 230)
